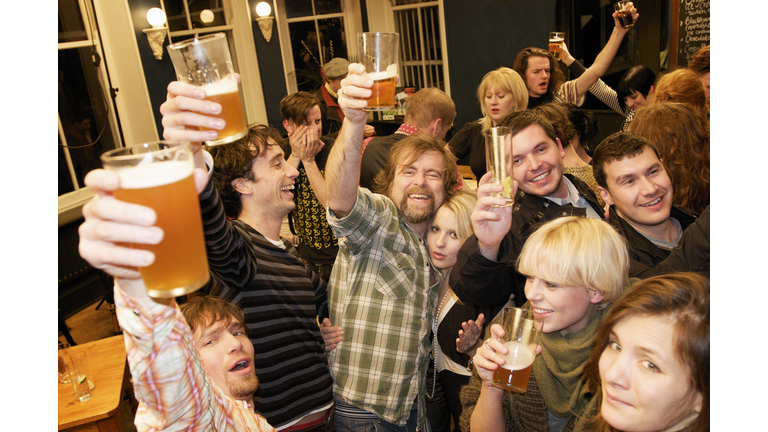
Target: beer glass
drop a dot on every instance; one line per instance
(80, 375)
(498, 151)
(624, 13)
(63, 368)
(378, 53)
(159, 175)
(205, 62)
(521, 338)
(556, 43)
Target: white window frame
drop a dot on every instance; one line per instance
(350, 13)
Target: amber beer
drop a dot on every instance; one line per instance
(624, 14)
(181, 264)
(555, 43)
(225, 93)
(514, 374)
(383, 90)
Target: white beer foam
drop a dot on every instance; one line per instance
(220, 87)
(519, 357)
(555, 40)
(154, 174)
(391, 72)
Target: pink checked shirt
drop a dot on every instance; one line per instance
(169, 380)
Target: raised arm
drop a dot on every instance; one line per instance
(343, 166)
(604, 59)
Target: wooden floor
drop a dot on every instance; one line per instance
(89, 325)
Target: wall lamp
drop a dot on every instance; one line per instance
(263, 9)
(156, 34)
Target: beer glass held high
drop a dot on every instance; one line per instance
(556, 43)
(498, 152)
(522, 333)
(159, 175)
(205, 62)
(624, 12)
(379, 53)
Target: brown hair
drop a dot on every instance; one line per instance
(429, 104)
(561, 122)
(405, 152)
(699, 63)
(204, 311)
(616, 147)
(295, 107)
(235, 160)
(682, 137)
(684, 86)
(684, 299)
(520, 120)
(520, 66)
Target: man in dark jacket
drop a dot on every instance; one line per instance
(485, 273)
(633, 182)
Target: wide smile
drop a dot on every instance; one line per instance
(288, 188)
(653, 202)
(542, 313)
(418, 197)
(539, 178)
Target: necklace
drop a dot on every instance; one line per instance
(434, 340)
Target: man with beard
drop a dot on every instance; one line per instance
(196, 377)
(485, 273)
(633, 182)
(383, 286)
(544, 79)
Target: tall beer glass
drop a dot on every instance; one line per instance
(498, 151)
(205, 62)
(159, 175)
(556, 43)
(378, 53)
(521, 338)
(624, 12)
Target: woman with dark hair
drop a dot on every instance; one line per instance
(585, 124)
(650, 367)
(682, 137)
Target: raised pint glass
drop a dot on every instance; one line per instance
(624, 14)
(379, 54)
(556, 43)
(498, 151)
(159, 175)
(521, 338)
(205, 62)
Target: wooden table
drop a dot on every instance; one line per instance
(106, 358)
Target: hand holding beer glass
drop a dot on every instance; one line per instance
(498, 150)
(205, 62)
(624, 12)
(159, 175)
(378, 53)
(521, 339)
(556, 40)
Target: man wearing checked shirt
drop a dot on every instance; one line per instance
(383, 287)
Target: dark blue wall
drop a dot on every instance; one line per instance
(270, 67)
(486, 34)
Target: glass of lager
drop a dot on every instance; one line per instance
(556, 43)
(521, 338)
(624, 12)
(159, 175)
(498, 152)
(205, 62)
(378, 53)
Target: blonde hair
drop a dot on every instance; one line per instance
(577, 252)
(462, 205)
(505, 79)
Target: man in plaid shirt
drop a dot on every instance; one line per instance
(383, 287)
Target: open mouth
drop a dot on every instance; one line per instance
(418, 197)
(240, 366)
(540, 177)
(287, 188)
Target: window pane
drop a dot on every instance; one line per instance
(327, 7)
(298, 8)
(71, 27)
(407, 2)
(83, 111)
(306, 56)
(215, 6)
(176, 15)
(332, 38)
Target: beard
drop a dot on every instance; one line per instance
(416, 216)
(242, 386)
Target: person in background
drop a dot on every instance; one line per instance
(429, 111)
(683, 86)
(501, 92)
(449, 366)
(699, 64)
(544, 79)
(333, 72)
(650, 367)
(682, 137)
(565, 132)
(575, 268)
(308, 152)
(586, 126)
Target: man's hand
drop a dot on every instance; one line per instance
(369, 131)
(354, 88)
(305, 143)
(491, 223)
(332, 335)
(565, 55)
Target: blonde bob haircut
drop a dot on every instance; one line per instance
(462, 205)
(507, 80)
(577, 252)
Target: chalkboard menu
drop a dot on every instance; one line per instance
(692, 29)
